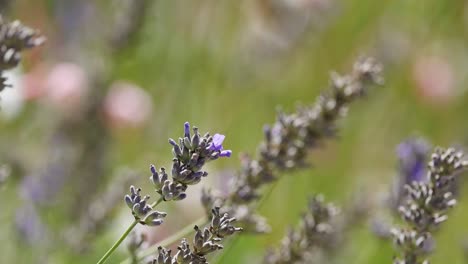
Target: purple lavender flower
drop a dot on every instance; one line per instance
(412, 157)
(217, 144)
(413, 154)
(29, 225)
(191, 153)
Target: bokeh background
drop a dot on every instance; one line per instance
(92, 108)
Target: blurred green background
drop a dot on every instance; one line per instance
(225, 66)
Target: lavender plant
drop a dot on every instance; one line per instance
(423, 202)
(191, 153)
(426, 206)
(286, 146)
(289, 140)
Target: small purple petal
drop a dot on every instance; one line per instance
(225, 153)
(217, 143)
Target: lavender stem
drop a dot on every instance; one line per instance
(117, 243)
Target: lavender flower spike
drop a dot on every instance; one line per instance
(191, 152)
(426, 206)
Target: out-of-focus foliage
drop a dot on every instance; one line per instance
(94, 107)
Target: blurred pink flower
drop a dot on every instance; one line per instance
(66, 86)
(33, 83)
(127, 105)
(434, 79)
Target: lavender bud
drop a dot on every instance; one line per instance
(176, 151)
(195, 138)
(173, 191)
(158, 179)
(141, 209)
(154, 218)
(221, 224)
(187, 143)
(187, 130)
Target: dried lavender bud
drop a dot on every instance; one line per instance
(205, 241)
(315, 234)
(141, 210)
(426, 206)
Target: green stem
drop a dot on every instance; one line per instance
(157, 202)
(121, 239)
(117, 243)
(170, 240)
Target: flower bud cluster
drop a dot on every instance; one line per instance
(191, 153)
(427, 204)
(141, 210)
(14, 38)
(316, 233)
(288, 141)
(206, 241)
